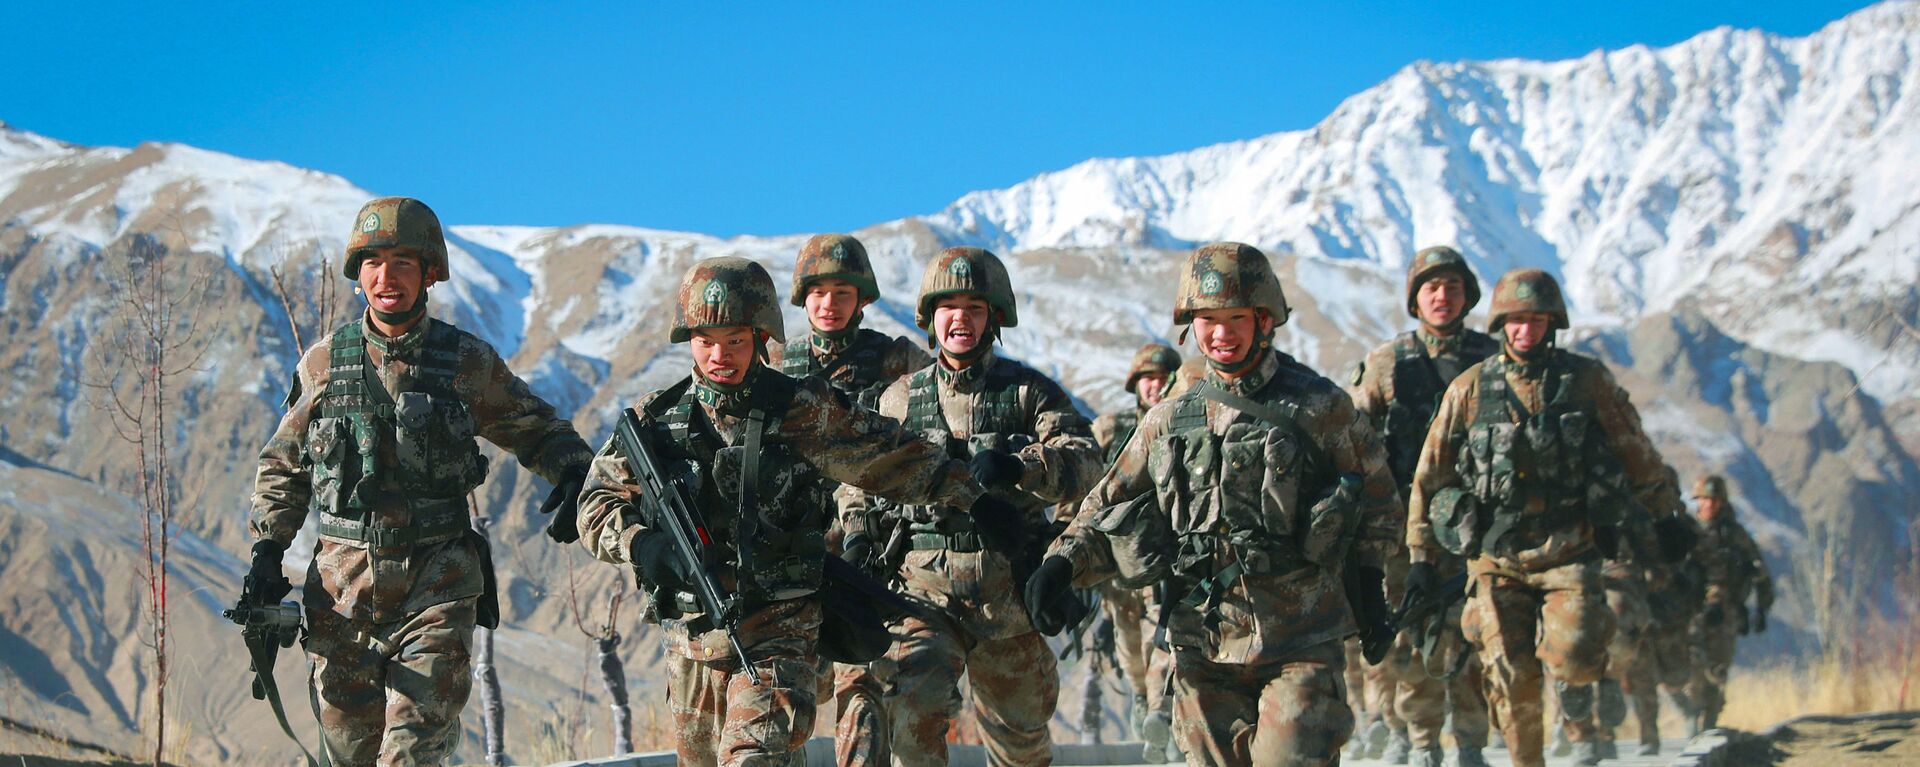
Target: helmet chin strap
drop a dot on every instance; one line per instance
(1247, 362)
(402, 317)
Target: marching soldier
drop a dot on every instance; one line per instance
(1249, 496)
(1533, 462)
(758, 451)
(1397, 387)
(379, 442)
(1738, 571)
(1026, 443)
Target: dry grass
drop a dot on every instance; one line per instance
(1761, 697)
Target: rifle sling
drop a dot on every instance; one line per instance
(263, 653)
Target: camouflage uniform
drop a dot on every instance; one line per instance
(398, 576)
(1534, 518)
(1738, 571)
(1260, 506)
(976, 624)
(1396, 387)
(1675, 594)
(810, 436)
(861, 363)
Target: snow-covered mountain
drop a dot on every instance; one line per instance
(1728, 215)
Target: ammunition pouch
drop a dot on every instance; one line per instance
(1140, 540)
(434, 520)
(1456, 520)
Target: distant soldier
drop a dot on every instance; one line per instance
(1026, 443)
(759, 451)
(1248, 496)
(834, 283)
(1739, 571)
(1675, 595)
(1534, 460)
(1397, 387)
(379, 442)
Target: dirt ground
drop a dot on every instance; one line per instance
(1884, 742)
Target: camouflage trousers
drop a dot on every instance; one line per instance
(391, 693)
(1015, 684)
(1557, 617)
(1413, 699)
(1713, 648)
(1290, 712)
(860, 728)
(1127, 608)
(722, 718)
(1355, 678)
(1629, 674)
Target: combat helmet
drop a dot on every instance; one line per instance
(1711, 486)
(835, 256)
(1527, 290)
(727, 291)
(1152, 359)
(1430, 262)
(966, 270)
(398, 222)
(1228, 275)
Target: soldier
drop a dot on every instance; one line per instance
(765, 449)
(1026, 443)
(1675, 594)
(1534, 460)
(833, 281)
(1247, 496)
(378, 440)
(1397, 387)
(1738, 571)
(1148, 379)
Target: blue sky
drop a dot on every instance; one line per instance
(733, 118)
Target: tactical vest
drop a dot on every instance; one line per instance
(431, 431)
(863, 362)
(1546, 472)
(762, 501)
(1125, 423)
(1417, 387)
(998, 423)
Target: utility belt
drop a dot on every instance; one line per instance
(1201, 555)
(953, 533)
(434, 520)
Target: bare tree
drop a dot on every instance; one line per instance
(151, 339)
(613, 672)
(317, 310)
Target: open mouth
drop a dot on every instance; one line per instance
(1223, 353)
(961, 337)
(388, 300)
(725, 374)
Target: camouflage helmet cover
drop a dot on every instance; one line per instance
(1433, 261)
(966, 270)
(398, 222)
(1152, 359)
(727, 291)
(1711, 486)
(1527, 290)
(1228, 275)
(833, 256)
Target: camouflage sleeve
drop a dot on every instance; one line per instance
(856, 446)
(1435, 469)
(1755, 566)
(1353, 447)
(282, 487)
(1370, 392)
(508, 414)
(855, 506)
(1621, 421)
(1126, 480)
(1064, 461)
(904, 357)
(1103, 429)
(608, 519)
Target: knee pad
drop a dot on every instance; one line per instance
(1575, 702)
(1611, 703)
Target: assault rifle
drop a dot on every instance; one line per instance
(1426, 618)
(673, 512)
(266, 630)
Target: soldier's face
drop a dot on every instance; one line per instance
(724, 355)
(391, 278)
(831, 304)
(1227, 336)
(1527, 331)
(1709, 508)
(1151, 388)
(1441, 299)
(960, 323)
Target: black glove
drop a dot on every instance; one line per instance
(996, 469)
(1422, 580)
(659, 563)
(564, 504)
(265, 584)
(1000, 524)
(1760, 619)
(1368, 596)
(1051, 604)
(857, 550)
(1677, 538)
(1714, 615)
(1606, 538)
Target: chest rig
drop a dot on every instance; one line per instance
(1418, 383)
(998, 423)
(429, 430)
(1125, 423)
(1534, 473)
(858, 370)
(763, 503)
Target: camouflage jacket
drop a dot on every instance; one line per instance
(978, 587)
(382, 585)
(1737, 570)
(1398, 386)
(1593, 389)
(1263, 615)
(1111, 430)
(862, 364)
(823, 428)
